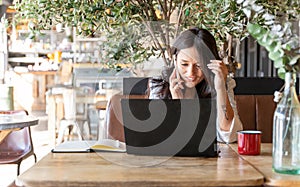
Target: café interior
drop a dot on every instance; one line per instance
(60, 98)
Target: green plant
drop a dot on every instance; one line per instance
(157, 22)
(226, 21)
(285, 57)
(273, 29)
(221, 17)
(118, 21)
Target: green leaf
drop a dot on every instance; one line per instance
(276, 55)
(271, 46)
(281, 73)
(225, 13)
(294, 60)
(256, 30)
(266, 40)
(278, 63)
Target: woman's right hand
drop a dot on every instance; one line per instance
(176, 86)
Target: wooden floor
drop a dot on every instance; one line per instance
(8, 172)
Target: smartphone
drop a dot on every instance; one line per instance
(176, 70)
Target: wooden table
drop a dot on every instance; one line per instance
(94, 169)
(263, 163)
(9, 123)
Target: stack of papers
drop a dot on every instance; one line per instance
(88, 146)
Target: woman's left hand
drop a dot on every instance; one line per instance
(220, 70)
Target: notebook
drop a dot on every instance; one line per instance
(170, 127)
(106, 145)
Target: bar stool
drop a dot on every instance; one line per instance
(71, 119)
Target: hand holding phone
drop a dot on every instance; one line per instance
(176, 85)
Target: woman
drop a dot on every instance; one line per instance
(199, 72)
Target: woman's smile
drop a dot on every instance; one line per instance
(191, 79)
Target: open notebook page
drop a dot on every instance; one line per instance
(88, 146)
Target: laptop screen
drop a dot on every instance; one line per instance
(184, 127)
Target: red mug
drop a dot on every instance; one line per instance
(249, 142)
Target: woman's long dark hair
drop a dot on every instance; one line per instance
(206, 47)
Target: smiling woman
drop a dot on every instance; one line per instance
(198, 72)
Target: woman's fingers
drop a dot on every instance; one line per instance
(175, 82)
(176, 85)
(219, 68)
(217, 64)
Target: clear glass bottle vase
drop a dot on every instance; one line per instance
(286, 130)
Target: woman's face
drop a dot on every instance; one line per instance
(188, 67)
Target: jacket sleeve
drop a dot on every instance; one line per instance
(158, 87)
(231, 135)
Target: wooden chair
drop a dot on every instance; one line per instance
(133, 88)
(16, 146)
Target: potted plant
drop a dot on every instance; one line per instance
(138, 29)
(274, 31)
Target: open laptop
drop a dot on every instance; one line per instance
(170, 127)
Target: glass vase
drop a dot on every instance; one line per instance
(286, 130)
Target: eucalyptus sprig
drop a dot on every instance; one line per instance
(285, 58)
(271, 24)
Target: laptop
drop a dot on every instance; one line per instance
(166, 127)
